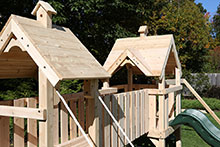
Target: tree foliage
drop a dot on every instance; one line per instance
(98, 23)
(191, 31)
(216, 23)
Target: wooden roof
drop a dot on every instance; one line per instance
(57, 51)
(150, 54)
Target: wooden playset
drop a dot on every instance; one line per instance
(95, 117)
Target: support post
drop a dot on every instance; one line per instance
(162, 114)
(94, 122)
(46, 97)
(178, 107)
(130, 77)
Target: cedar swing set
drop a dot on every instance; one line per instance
(103, 117)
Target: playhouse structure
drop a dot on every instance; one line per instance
(32, 48)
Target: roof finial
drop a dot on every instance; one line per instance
(143, 30)
(44, 11)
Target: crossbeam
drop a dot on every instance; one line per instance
(22, 112)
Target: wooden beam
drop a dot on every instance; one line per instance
(108, 91)
(212, 113)
(5, 36)
(46, 97)
(12, 44)
(22, 112)
(130, 77)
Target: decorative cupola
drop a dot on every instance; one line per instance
(44, 12)
(143, 31)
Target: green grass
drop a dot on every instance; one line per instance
(191, 139)
(213, 103)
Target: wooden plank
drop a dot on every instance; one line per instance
(152, 112)
(46, 98)
(133, 117)
(32, 125)
(108, 91)
(138, 125)
(161, 124)
(107, 123)
(121, 117)
(114, 127)
(171, 104)
(146, 111)
(142, 112)
(18, 126)
(81, 113)
(56, 117)
(73, 127)
(127, 116)
(4, 131)
(6, 35)
(63, 123)
(32, 113)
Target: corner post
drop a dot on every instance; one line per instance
(162, 120)
(46, 97)
(94, 112)
(178, 107)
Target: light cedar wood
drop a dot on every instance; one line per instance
(18, 125)
(32, 125)
(46, 101)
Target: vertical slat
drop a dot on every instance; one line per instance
(81, 113)
(171, 104)
(114, 127)
(56, 119)
(63, 123)
(121, 119)
(32, 125)
(146, 111)
(19, 126)
(107, 122)
(127, 115)
(166, 112)
(138, 114)
(133, 130)
(142, 112)
(73, 127)
(4, 131)
(152, 112)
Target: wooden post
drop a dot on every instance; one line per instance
(4, 131)
(94, 122)
(46, 97)
(56, 116)
(178, 107)
(130, 77)
(162, 114)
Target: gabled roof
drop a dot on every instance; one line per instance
(57, 51)
(150, 54)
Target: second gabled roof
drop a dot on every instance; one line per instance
(149, 53)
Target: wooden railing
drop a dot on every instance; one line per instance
(64, 127)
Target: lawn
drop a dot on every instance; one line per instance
(188, 136)
(191, 139)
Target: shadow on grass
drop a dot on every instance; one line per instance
(144, 141)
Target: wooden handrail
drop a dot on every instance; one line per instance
(212, 113)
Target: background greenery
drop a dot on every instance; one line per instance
(98, 23)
